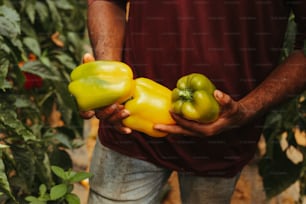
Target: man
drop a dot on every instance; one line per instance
(237, 45)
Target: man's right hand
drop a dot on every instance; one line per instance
(113, 115)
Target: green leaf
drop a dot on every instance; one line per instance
(72, 199)
(45, 60)
(65, 100)
(30, 9)
(3, 73)
(4, 183)
(65, 60)
(79, 176)
(58, 191)
(42, 12)
(70, 174)
(64, 4)
(33, 45)
(23, 102)
(7, 3)
(18, 45)
(56, 18)
(30, 198)
(64, 140)
(34, 200)
(42, 189)
(37, 68)
(59, 172)
(25, 157)
(9, 22)
(5, 49)
(28, 29)
(43, 167)
(8, 118)
(6, 85)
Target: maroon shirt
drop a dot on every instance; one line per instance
(234, 43)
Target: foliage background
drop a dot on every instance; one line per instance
(41, 41)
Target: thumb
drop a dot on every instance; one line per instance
(87, 57)
(87, 114)
(222, 98)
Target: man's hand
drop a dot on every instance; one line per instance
(113, 115)
(256, 103)
(232, 115)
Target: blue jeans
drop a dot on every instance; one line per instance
(122, 179)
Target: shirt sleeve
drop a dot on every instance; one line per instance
(299, 10)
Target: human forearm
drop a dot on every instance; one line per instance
(287, 80)
(106, 27)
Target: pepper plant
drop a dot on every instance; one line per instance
(41, 41)
(61, 192)
(284, 161)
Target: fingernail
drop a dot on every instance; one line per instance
(125, 113)
(127, 130)
(218, 94)
(156, 127)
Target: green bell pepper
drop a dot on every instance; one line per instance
(193, 98)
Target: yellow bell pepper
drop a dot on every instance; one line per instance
(149, 105)
(100, 83)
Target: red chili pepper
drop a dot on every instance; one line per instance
(32, 81)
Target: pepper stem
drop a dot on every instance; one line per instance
(186, 94)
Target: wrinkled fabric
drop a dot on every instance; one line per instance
(131, 181)
(236, 44)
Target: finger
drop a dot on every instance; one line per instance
(87, 57)
(87, 114)
(174, 129)
(187, 124)
(228, 105)
(107, 112)
(118, 116)
(197, 128)
(222, 98)
(122, 129)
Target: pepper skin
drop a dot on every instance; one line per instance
(193, 98)
(100, 83)
(150, 104)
